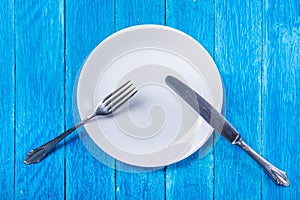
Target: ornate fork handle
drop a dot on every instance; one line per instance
(276, 174)
(37, 154)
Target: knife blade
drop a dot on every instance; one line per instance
(219, 123)
(205, 109)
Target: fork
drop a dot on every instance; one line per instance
(107, 106)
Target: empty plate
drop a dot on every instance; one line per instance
(155, 128)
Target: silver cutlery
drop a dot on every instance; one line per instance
(220, 124)
(107, 106)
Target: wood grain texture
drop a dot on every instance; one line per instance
(7, 91)
(238, 55)
(255, 45)
(193, 177)
(87, 24)
(130, 13)
(280, 94)
(149, 185)
(39, 96)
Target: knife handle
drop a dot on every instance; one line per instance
(276, 174)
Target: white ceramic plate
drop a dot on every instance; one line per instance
(155, 128)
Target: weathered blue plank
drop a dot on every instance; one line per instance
(192, 178)
(238, 55)
(129, 13)
(39, 33)
(241, 51)
(140, 185)
(149, 185)
(7, 96)
(280, 97)
(87, 24)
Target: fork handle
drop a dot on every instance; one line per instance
(276, 174)
(37, 154)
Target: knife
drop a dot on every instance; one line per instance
(220, 124)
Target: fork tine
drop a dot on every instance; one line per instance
(125, 97)
(123, 100)
(118, 97)
(114, 92)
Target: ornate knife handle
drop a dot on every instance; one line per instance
(276, 174)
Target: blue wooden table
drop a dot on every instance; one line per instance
(255, 44)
